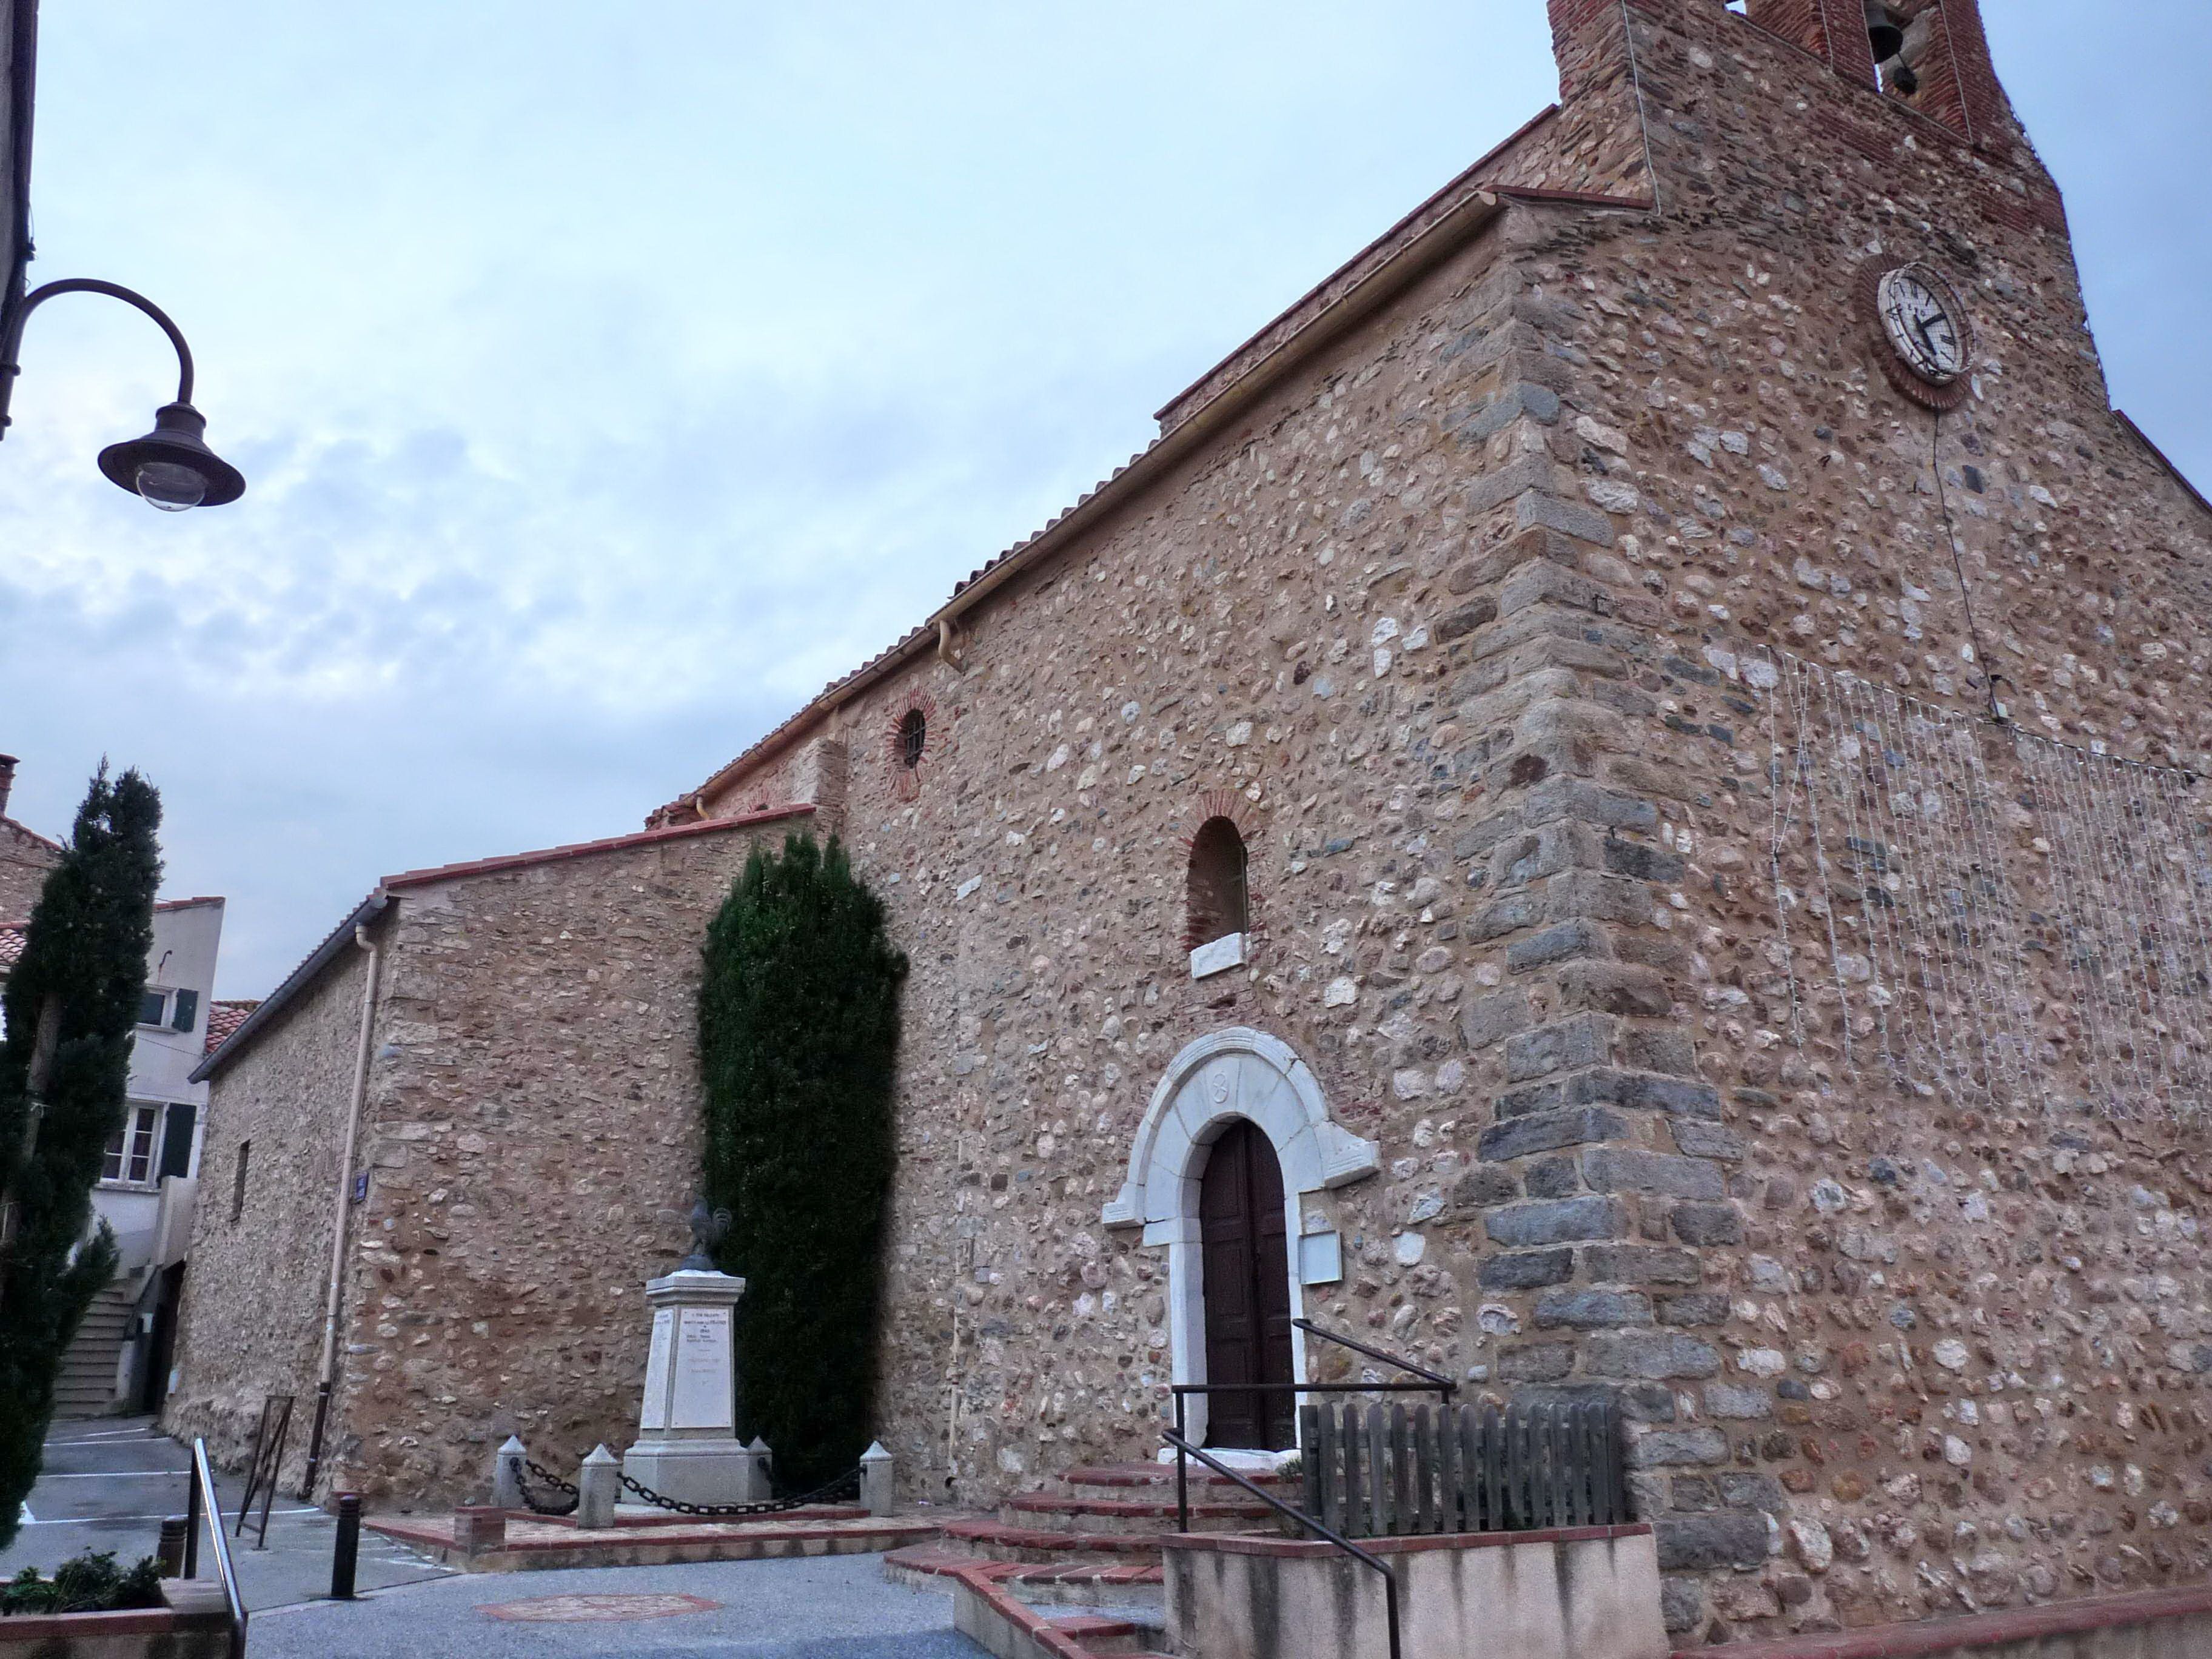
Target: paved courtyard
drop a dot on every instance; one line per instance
(107, 1484)
(108, 1481)
(823, 1608)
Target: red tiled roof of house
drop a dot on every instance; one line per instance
(223, 1018)
(186, 904)
(12, 935)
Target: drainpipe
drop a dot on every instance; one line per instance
(339, 1200)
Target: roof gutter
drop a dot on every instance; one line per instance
(1357, 303)
(340, 941)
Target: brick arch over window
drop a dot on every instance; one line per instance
(1217, 892)
(911, 742)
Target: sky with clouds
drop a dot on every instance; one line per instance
(607, 378)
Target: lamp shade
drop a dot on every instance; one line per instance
(175, 450)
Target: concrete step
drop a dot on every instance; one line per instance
(1132, 1480)
(990, 1609)
(1149, 1514)
(997, 1540)
(1093, 1583)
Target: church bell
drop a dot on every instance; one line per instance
(1887, 39)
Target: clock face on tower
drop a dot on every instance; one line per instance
(1920, 325)
(1925, 338)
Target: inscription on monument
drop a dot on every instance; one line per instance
(655, 1414)
(702, 1392)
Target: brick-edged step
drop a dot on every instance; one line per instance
(988, 1609)
(1086, 1584)
(1111, 1479)
(1152, 1513)
(1001, 1540)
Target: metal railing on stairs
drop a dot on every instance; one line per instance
(201, 1500)
(1365, 1558)
(1179, 1438)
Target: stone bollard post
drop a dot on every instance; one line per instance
(506, 1474)
(599, 1489)
(876, 1480)
(759, 1482)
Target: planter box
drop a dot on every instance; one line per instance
(1582, 1593)
(195, 1625)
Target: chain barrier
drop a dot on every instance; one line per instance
(552, 1480)
(845, 1486)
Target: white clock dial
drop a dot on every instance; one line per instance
(1918, 319)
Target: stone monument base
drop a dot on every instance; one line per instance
(698, 1471)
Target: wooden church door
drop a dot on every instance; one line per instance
(1246, 1286)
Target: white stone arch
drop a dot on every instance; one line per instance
(1237, 1073)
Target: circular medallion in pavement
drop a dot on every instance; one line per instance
(591, 1609)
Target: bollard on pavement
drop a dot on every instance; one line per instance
(170, 1551)
(506, 1474)
(345, 1554)
(598, 1488)
(759, 1484)
(876, 1480)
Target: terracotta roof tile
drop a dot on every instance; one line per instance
(12, 935)
(223, 1018)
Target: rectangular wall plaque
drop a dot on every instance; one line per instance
(655, 1412)
(1321, 1259)
(704, 1386)
(1218, 956)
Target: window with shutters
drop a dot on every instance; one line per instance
(130, 1157)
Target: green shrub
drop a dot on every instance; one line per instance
(799, 1049)
(90, 1582)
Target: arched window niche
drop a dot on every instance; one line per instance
(1218, 908)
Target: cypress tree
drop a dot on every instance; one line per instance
(799, 1047)
(71, 1006)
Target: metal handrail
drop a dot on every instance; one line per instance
(202, 1480)
(1441, 1382)
(1389, 1578)
(1442, 1385)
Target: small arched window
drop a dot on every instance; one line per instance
(1218, 904)
(913, 738)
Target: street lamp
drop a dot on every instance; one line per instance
(171, 467)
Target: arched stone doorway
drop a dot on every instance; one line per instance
(1234, 1077)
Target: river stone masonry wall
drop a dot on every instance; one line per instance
(532, 1134)
(1476, 645)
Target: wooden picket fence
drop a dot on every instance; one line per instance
(1385, 1470)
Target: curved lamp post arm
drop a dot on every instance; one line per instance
(11, 343)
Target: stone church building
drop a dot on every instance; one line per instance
(1614, 804)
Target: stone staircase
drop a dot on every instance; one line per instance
(86, 1385)
(1073, 1571)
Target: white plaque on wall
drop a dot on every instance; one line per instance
(703, 1383)
(655, 1414)
(1218, 956)
(1321, 1259)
